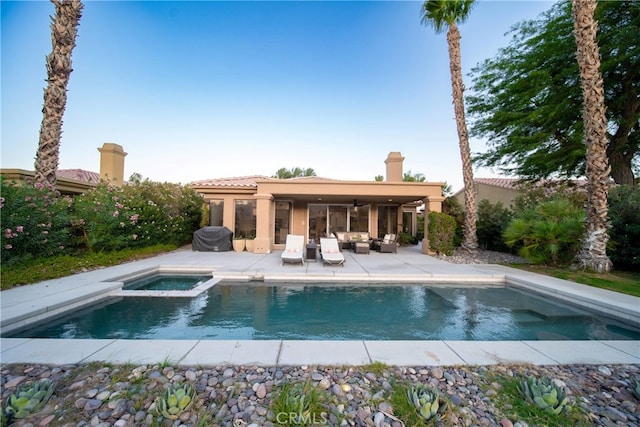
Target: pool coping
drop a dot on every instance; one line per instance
(40, 300)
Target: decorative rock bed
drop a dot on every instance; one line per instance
(104, 396)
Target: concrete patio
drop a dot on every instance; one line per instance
(24, 305)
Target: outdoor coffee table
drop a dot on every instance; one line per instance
(361, 247)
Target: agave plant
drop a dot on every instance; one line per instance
(426, 400)
(176, 399)
(543, 393)
(28, 399)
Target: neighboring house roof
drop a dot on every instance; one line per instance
(511, 183)
(517, 184)
(79, 175)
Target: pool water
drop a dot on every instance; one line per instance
(166, 282)
(329, 312)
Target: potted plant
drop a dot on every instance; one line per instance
(238, 243)
(249, 242)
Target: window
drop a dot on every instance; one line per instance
(359, 218)
(340, 218)
(283, 215)
(387, 220)
(317, 221)
(245, 218)
(216, 212)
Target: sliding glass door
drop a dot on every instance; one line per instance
(325, 219)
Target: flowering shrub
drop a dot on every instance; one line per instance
(144, 214)
(35, 221)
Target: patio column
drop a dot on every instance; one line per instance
(264, 229)
(425, 238)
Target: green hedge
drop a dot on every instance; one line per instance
(442, 231)
(624, 216)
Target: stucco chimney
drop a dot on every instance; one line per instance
(394, 166)
(112, 163)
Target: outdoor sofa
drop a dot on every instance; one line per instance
(347, 238)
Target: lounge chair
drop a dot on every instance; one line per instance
(331, 251)
(387, 244)
(294, 249)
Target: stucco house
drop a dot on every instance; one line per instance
(495, 190)
(77, 181)
(270, 208)
(506, 190)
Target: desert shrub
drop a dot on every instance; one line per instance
(534, 194)
(406, 239)
(624, 216)
(35, 221)
(549, 233)
(442, 229)
(144, 214)
(492, 221)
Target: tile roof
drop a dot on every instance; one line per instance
(238, 181)
(511, 183)
(312, 179)
(251, 181)
(516, 183)
(78, 175)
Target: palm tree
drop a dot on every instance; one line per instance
(442, 14)
(284, 173)
(593, 253)
(64, 28)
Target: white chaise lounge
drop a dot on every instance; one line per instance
(331, 251)
(294, 249)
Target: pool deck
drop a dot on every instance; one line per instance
(24, 304)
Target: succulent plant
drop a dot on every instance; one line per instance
(176, 399)
(426, 400)
(543, 393)
(28, 399)
(635, 387)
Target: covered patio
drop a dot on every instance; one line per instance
(268, 209)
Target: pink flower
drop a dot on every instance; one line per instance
(115, 214)
(119, 205)
(19, 229)
(1, 202)
(8, 232)
(8, 246)
(134, 218)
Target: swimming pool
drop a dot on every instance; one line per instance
(258, 311)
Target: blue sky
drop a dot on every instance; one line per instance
(207, 89)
